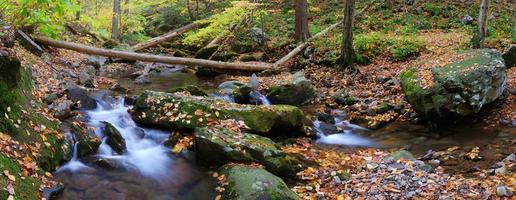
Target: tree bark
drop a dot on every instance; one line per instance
(253, 67)
(347, 52)
(482, 23)
(78, 13)
(165, 37)
(115, 29)
(302, 31)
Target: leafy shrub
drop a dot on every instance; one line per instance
(405, 47)
(369, 45)
(45, 15)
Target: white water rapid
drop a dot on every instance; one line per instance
(347, 137)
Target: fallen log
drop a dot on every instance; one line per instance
(303, 45)
(153, 58)
(28, 43)
(165, 37)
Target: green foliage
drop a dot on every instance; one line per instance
(218, 24)
(46, 15)
(397, 47)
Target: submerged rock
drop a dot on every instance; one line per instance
(239, 91)
(462, 88)
(114, 138)
(220, 146)
(187, 112)
(247, 182)
(297, 91)
(192, 89)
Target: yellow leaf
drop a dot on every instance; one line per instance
(9, 176)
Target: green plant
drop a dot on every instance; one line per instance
(405, 47)
(45, 15)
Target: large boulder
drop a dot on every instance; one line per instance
(297, 91)
(176, 111)
(220, 146)
(81, 97)
(114, 139)
(248, 182)
(462, 88)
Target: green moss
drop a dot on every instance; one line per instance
(245, 182)
(192, 89)
(27, 188)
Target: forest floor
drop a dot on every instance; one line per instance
(469, 171)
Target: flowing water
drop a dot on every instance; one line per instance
(147, 170)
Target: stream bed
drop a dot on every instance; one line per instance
(149, 170)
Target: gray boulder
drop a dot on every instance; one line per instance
(240, 92)
(297, 91)
(462, 88)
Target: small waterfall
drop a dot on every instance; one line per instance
(74, 164)
(347, 137)
(255, 94)
(145, 151)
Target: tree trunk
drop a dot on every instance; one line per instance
(347, 52)
(482, 23)
(302, 32)
(514, 13)
(303, 45)
(165, 37)
(115, 29)
(78, 13)
(253, 67)
(390, 3)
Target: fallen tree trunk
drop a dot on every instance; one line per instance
(153, 58)
(165, 37)
(303, 45)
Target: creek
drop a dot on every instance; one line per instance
(149, 170)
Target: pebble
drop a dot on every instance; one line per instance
(503, 191)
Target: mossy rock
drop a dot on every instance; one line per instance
(297, 92)
(114, 138)
(224, 55)
(20, 114)
(220, 146)
(88, 143)
(247, 182)
(460, 89)
(248, 58)
(192, 89)
(509, 56)
(174, 111)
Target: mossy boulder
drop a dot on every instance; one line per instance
(113, 138)
(460, 89)
(88, 143)
(220, 146)
(240, 92)
(176, 111)
(297, 91)
(192, 89)
(20, 116)
(248, 182)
